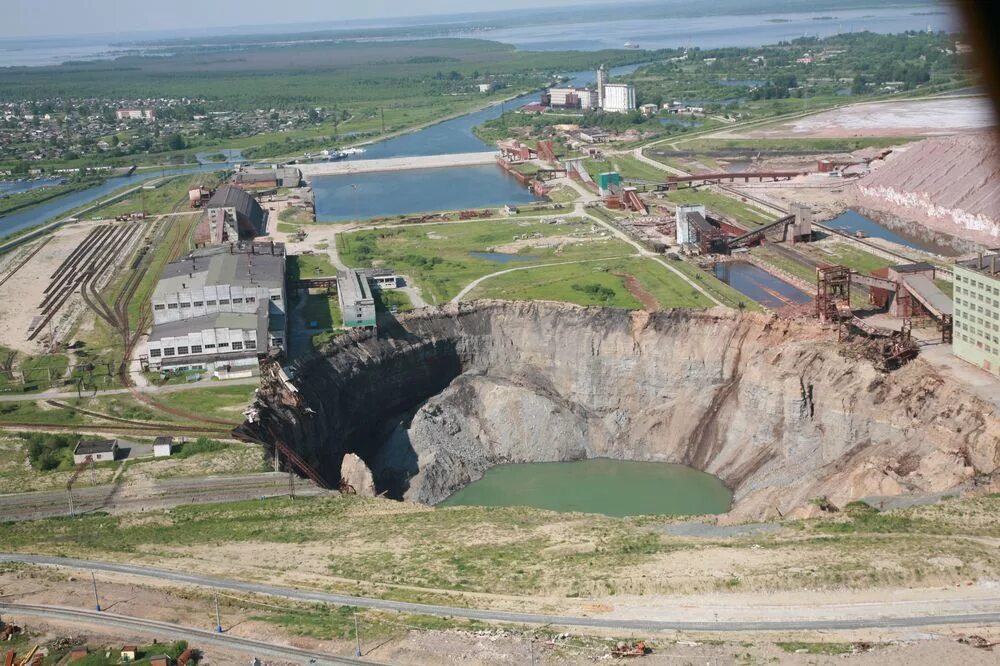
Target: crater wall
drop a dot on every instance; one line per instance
(769, 406)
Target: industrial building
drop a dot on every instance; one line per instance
(230, 215)
(357, 303)
(96, 450)
(219, 308)
(570, 98)
(977, 312)
(619, 98)
(135, 114)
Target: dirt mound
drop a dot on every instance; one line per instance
(950, 184)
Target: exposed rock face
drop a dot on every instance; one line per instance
(355, 473)
(769, 406)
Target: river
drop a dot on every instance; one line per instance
(609, 487)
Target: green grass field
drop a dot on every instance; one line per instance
(438, 257)
(859, 260)
(303, 266)
(595, 283)
(628, 166)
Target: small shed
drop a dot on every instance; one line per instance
(160, 660)
(163, 447)
(98, 450)
(129, 652)
(78, 653)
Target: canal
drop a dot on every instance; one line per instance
(609, 487)
(759, 285)
(852, 222)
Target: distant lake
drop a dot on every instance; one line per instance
(385, 194)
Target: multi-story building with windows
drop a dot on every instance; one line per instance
(976, 333)
(357, 303)
(219, 308)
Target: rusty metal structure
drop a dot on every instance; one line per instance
(833, 293)
(673, 182)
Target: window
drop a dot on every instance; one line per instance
(181, 351)
(209, 346)
(154, 353)
(168, 351)
(237, 346)
(185, 305)
(223, 345)
(237, 301)
(159, 306)
(250, 344)
(171, 306)
(199, 304)
(279, 341)
(276, 298)
(210, 303)
(251, 299)
(223, 301)
(195, 349)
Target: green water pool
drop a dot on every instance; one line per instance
(609, 487)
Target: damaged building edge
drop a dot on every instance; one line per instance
(770, 407)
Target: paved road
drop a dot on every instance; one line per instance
(819, 617)
(194, 636)
(153, 494)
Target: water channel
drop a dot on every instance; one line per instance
(759, 285)
(852, 222)
(610, 487)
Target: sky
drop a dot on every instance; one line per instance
(31, 18)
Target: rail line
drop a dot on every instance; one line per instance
(29, 257)
(177, 631)
(116, 427)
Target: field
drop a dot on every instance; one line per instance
(158, 197)
(438, 256)
(605, 283)
(628, 166)
(405, 551)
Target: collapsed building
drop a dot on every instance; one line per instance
(231, 215)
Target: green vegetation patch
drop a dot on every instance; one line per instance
(305, 266)
(438, 257)
(595, 283)
(799, 647)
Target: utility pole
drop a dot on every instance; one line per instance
(97, 600)
(93, 473)
(218, 616)
(531, 648)
(72, 514)
(357, 634)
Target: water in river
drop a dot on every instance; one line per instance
(36, 215)
(384, 194)
(609, 487)
(759, 285)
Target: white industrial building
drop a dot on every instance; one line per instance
(619, 98)
(685, 233)
(219, 308)
(95, 450)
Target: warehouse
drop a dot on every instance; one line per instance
(219, 307)
(267, 179)
(230, 215)
(619, 98)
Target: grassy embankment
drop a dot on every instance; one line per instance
(393, 549)
(21, 200)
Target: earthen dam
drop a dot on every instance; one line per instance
(772, 407)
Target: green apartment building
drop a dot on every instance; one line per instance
(977, 312)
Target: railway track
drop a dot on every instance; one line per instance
(178, 632)
(141, 429)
